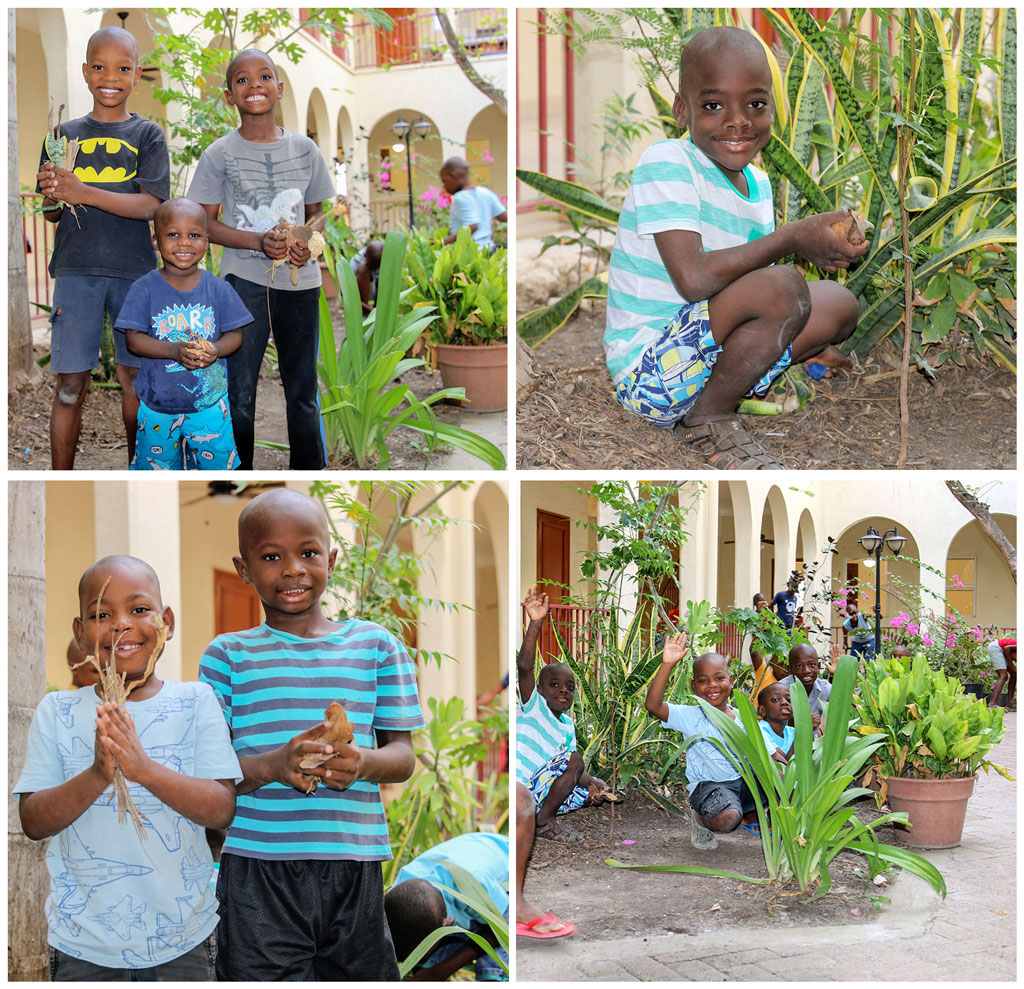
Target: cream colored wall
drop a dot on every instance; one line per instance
(70, 548)
(995, 592)
(561, 498)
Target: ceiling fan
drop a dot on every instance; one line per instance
(148, 71)
(765, 541)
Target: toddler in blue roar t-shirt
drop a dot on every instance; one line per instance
(183, 322)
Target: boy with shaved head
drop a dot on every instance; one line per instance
(121, 175)
(473, 206)
(550, 776)
(114, 894)
(719, 798)
(183, 322)
(699, 313)
(300, 885)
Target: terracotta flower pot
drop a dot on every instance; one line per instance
(936, 810)
(482, 371)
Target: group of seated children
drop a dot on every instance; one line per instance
(300, 893)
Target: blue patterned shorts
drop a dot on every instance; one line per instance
(202, 440)
(673, 370)
(541, 782)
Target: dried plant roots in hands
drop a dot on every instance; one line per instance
(112, 688)
(339, 731)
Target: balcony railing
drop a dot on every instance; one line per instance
(418, 38)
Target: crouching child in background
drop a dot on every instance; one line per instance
(418, 903)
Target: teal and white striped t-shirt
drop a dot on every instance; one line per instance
(273, 686)
(675, 187)
(540, 736)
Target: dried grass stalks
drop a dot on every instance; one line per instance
(113, 688)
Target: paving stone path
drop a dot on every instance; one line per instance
(969, 936)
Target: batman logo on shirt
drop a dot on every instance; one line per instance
(113, 160)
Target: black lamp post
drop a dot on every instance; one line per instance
(872, 543)
(403, 130)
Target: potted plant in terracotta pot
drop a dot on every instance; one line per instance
(936, 739)
(469, 288)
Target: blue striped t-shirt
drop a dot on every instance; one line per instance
(272, 686)
(675, 186)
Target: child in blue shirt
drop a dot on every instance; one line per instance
(300, 885)
(775, 711)
(473, 206)
(417, 904)
(183, 322)
(719, 798)
(699, 313)
(119, 903)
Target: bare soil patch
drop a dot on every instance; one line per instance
(572, 881)
(964, 420)
(102, 443)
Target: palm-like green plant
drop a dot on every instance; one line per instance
(465, 287)
(362, 402)
(809, 818)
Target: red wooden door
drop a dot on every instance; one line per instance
(553, 573)
(236, 606)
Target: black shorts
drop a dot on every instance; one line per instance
(302, 921)
(709, 798)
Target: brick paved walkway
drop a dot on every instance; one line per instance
(969, 936)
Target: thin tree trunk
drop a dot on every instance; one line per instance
(21, 368)
(980, 511)
(495, 95)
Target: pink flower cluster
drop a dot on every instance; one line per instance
(435, 196)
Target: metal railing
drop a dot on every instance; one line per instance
(36, 233)
(417, 38)
(580, 634)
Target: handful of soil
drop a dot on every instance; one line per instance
(340, 730)
(847, 229)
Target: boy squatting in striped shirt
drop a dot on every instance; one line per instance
(550, 776)
(300, 886)
(699, 314)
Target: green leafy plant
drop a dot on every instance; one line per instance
(465, 287)
(927, 727)
(362, 401)
(809, 818)
(373, 577)
(444, 798)
(472, 893)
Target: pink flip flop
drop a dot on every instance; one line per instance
(527, 929)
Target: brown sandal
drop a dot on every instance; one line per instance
(727, 445)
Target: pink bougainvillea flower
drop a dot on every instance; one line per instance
(486, 158)
(950, 641)
(926, 639)
(912, 628)
(959, 583)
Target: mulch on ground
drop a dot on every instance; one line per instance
(966, 419)
(571, 880)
